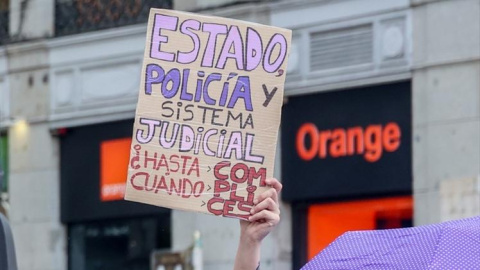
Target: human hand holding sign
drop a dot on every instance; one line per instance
(265, 216)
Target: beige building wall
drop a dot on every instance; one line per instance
(34, 195)
(446, 106)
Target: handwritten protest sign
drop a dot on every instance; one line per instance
(208, 113)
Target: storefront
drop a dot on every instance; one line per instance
(104, 231)
(346, 161)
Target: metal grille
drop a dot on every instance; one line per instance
(4, 22)
(341, 48)
(80, 16)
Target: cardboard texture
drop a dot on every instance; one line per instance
(208, 113)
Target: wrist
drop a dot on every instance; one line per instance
(249, 242)
(248, 253)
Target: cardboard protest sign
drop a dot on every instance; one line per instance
(208, 113)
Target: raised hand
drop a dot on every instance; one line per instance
(265, 216)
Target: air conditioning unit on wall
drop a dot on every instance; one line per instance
(350, 50)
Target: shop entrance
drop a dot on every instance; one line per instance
(105, 232)
(123, 244)
(346, 163)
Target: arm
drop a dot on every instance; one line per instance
(265, 216)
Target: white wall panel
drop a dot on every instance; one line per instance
(95, 76)
(63, 89)
(105, 83)
(446, 31)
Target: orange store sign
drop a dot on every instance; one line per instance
(370, 141)
(349, 143)
(114, 157)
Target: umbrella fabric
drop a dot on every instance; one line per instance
(449, 245)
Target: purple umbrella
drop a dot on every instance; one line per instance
(448, 245)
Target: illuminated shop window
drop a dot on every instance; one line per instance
(328, 221)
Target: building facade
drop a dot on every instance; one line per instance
(380, 127)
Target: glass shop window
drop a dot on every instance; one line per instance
(123, 244)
